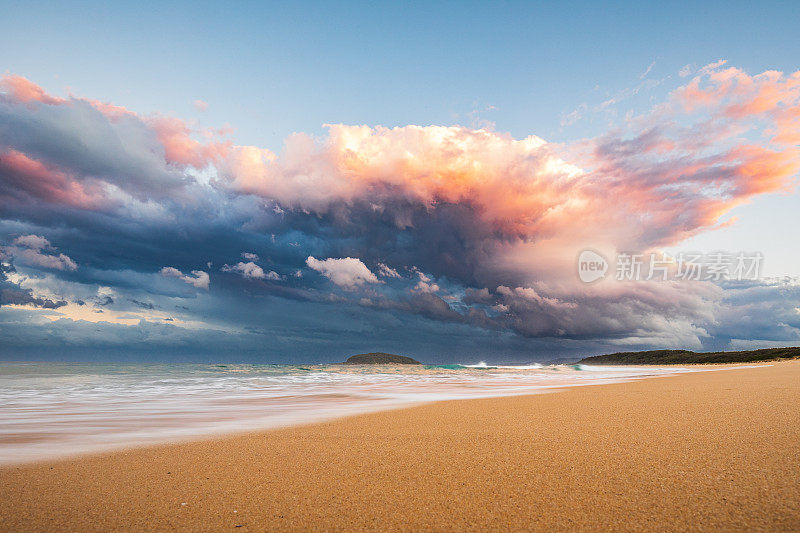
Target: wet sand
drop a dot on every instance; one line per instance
(705, 450)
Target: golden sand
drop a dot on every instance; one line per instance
(705, 451)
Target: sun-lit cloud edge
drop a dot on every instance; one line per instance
(517, 209)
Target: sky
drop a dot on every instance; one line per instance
(301, 182)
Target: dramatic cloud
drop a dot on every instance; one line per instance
(89, 154)
(767, 312)
(12, 293)
(459, 227)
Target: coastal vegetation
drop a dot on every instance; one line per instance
(685, 357)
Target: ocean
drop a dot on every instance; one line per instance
(50, 410)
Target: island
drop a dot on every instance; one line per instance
(686, 357)
(380, 358)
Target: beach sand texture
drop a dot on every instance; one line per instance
(703, 451)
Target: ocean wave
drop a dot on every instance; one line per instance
(54, 409)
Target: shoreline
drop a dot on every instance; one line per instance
(103, 427)
(701, 450)
(195, 438)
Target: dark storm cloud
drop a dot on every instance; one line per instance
(12, 294)
(82, 142)
(104, 301)
(764, 310)
(143, 305)
(436, 229)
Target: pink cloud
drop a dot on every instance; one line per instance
(518, 210)
(24, 91)
(668, 174)
(771, 96)
(176, 137)
(26, 175)
(513, 183)
(179, 145)
(34, 250)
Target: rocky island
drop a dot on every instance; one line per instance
(380, 358)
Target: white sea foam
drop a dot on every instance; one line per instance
(55, 409)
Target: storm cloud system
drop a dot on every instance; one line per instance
(144, 236)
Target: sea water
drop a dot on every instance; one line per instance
(50, 410)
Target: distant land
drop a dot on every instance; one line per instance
(685, 357)
(380, 358)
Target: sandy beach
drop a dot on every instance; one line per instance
(703, 451)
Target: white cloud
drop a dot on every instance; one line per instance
(251, 270)
(424, 284)
(713, 66)
(200, 105)
(198, 278)
(644, 74)
(387, 271)
(29, 249)
(250, 256)
(34, 242)
(56, 262)
(571, 118)
(346, 272)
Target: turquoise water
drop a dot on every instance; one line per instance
(55, 409)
